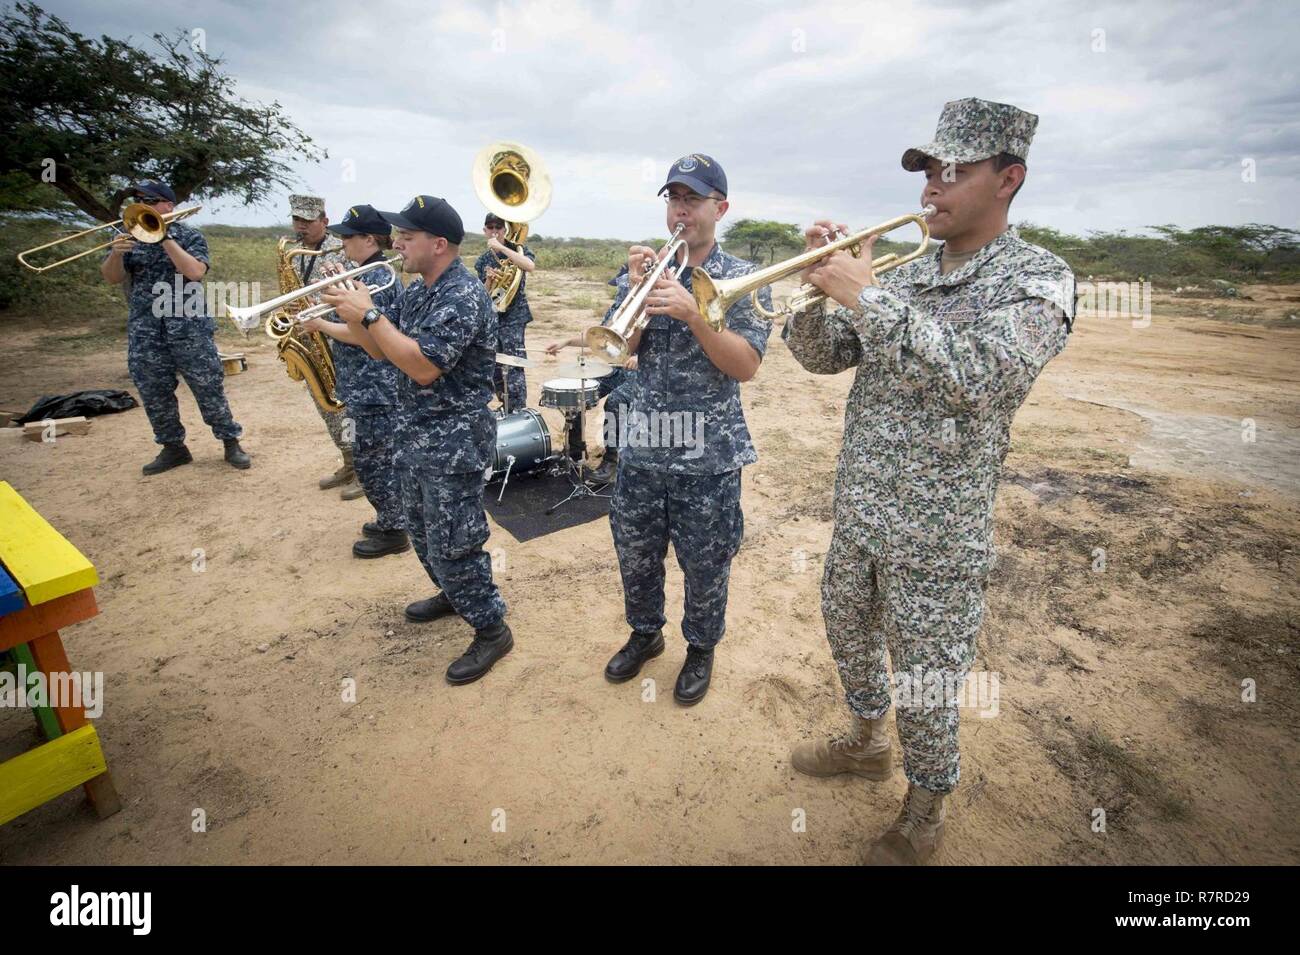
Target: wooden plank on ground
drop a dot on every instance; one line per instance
(57, 427)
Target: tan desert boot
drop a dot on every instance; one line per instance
(344, 475)
(864, 751)
(915, 835)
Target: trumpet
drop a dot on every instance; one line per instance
(610, 342)
(139, 221)
(249, 316)
(715, 296)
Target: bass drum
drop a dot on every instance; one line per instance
(521, 435)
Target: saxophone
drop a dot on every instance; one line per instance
(306, 355)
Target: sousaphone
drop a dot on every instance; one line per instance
(512, 181)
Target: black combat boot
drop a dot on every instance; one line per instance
(429, 609)
(371, 529)
(693, 681)
(385, 543)
(171, 456)
(236, 455)
(490, 645)
(628, 662)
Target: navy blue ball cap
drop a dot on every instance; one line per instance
(154, 190)
(701, 173)
(362, 220)
(429, 214)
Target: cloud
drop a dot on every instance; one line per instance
(1146, 111)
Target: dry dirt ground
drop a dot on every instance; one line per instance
(1148, 567)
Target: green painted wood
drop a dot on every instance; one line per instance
(45, 718)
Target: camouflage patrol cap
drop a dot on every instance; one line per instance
(973, 129)
(306, 207)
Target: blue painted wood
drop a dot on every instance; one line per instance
(11, 595)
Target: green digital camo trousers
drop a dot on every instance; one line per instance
(928, 622)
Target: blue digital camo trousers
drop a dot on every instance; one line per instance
(510, 341)
(373, 460)
(928, 622)
(154, 360)
(700, 514)
(448, 528)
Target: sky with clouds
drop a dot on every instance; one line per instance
(1149, 112)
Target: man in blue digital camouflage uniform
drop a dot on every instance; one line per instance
(509, 381)
(169, 333)
(686, 439)
(367, 385)
(946, 348)
(441, 335)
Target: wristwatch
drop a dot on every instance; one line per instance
(371, 316)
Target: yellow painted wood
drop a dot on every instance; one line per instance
(39, 559)
(50, 770)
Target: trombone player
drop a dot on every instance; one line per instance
(163, 341)
(946, 349)
(687, 490)
(311, 226)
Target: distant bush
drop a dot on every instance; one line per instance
(1171, 257)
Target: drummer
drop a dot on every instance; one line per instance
(615, 389)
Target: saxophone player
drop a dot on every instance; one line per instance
(441, 336)
(685, 490)
(508, 381)
(367, 385)
(310, 226)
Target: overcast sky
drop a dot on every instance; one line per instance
(1147, 110)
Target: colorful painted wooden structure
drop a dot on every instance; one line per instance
(45, 585)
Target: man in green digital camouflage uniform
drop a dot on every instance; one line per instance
(310, 225)
(946, 348)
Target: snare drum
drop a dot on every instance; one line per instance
(524, 436)
(570, 394)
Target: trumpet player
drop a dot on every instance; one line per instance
(441, 336)
(367, 385)
(946, 349)
(163, 341)
(679, 472)
(508, 381)
(311, 226)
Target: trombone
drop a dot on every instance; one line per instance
(247, 317)
(715, 296)
(610, 342)
(139, 221)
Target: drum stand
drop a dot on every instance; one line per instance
(570, 463)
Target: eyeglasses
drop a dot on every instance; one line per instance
(149, 200)
(692, 201)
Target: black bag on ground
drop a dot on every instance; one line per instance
(86, 403)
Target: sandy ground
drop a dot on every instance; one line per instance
(1121, 688)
